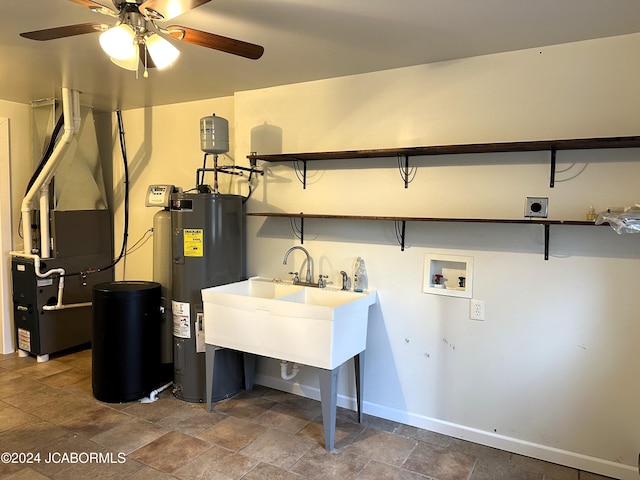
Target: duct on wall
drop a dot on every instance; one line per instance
(79, 181)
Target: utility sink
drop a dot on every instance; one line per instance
(320, 327)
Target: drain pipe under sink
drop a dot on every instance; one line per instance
(284, 367)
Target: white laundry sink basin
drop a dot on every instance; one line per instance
(321, 327)
(256, 287)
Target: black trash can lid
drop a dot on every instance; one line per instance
(126, 286)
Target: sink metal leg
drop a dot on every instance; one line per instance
(358, 362)
(249, 361)
(210, 353)
(329, 400)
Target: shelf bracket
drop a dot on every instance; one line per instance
(406, 173)
(301, 173)
(298, 231)
(547, 227)
(401, 226)
(552, 179)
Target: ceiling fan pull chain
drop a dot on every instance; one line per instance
(146, 53)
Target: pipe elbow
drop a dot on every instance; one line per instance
(284, 367)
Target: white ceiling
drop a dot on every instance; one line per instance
(303, 40)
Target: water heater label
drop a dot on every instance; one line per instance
(193, 241)
(181, 319)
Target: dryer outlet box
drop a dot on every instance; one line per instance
(536, 207)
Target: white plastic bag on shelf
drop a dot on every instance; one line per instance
(622, 220)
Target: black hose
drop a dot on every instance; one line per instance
(123, 148)
(200, 180)
(47, 153)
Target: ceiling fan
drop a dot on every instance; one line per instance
(136, 36)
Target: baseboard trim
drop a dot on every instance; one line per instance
(542, 452)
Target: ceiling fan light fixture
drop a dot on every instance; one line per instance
(130, 63)
(162, 52)
(119, 42)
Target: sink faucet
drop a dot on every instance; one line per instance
(345, 280)
(297, 247)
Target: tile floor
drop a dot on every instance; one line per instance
(48, 409)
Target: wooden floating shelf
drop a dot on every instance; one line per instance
(529, 146)
(551, 146)
(535, 221)
(546, 223)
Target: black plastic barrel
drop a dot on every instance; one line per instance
(126, 340)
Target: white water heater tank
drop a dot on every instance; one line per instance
(214, 134)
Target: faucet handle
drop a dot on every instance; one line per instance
(296, 278)
(322, 280)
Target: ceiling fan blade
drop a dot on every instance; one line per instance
(95, 6)
(216, 42)
(67, 31)
(168, 9)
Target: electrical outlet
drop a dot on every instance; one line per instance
(536, 207)
(476, 309)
